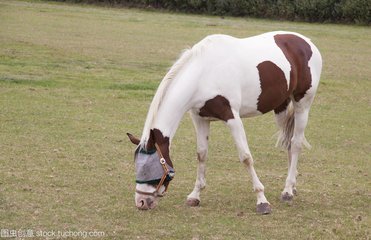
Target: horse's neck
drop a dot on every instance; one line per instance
(176, 97)
(173, 107)
(168, 117)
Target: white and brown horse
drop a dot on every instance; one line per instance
(226, 78)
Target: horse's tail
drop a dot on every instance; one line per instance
(160, 93)
(286, 131)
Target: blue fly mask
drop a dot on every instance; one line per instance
(151, 168)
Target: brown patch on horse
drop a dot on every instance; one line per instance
(163, 143)
(218, 107)
(274, 93)
(282, 107)
(298, 52)
(150, 145)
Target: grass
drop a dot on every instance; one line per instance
(74, 79)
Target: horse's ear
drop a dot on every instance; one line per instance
(133, 139)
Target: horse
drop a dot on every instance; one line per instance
(226, 78)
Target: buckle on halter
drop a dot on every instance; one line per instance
(162, 161)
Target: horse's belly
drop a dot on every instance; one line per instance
(262, 95)
(249, 98)
(246, 112)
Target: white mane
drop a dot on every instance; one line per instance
(161, 90)
(186, 55)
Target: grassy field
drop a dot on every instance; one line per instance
(74, 79)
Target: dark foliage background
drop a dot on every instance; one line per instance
(342, 11)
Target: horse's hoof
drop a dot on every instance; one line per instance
(295, 192)
(263, 208)
(286, 197)
(193, 202)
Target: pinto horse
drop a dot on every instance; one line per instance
(226, 78)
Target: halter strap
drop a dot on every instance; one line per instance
(162, 156)
(166, 170)
(154, 194)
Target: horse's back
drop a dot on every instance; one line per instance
(256, 74)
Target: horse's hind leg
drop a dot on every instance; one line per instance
(202, 127)
(285, 120)
(301, 112)
(238, 132)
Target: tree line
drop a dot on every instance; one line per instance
(336, 11)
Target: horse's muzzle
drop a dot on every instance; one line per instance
(145, 203)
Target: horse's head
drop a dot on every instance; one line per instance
(154, 171)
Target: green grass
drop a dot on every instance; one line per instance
(74, 79)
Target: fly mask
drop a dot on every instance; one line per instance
(152, 168)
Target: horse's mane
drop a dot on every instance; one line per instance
(160, 93)
(184, 58)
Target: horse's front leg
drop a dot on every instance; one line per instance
(202, 127)
(238, 132)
